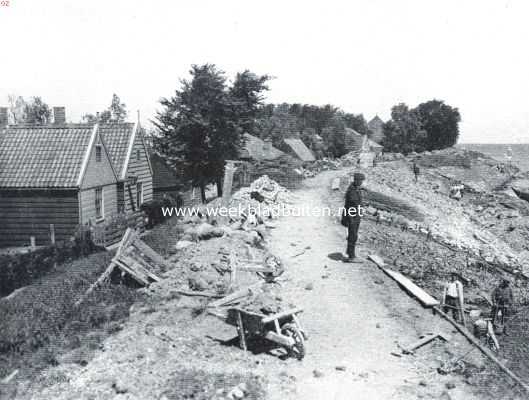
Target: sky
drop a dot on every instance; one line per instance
(363, 56)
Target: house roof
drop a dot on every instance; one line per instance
(44, 156)
(257, 149)
(163, 175)
(352, 132)
(372, 143)
(119, 138)
(375, 122)
(299, 148)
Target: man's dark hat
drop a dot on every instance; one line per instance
(359, 177)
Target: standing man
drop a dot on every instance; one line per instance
(416, 171)
(502, 300)
(451, 296)
(352, 216)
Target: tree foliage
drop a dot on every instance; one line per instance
(310, 121)
(116, 112)
(35, 111)
(202, 125)
(430, 126)
(441, 123)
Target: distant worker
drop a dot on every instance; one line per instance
(452, 291)
(456, 192)
(502, 303)
(416, 171)
(352, 215)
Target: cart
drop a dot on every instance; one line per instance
(282, 328)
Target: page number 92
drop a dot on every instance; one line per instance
(4, 3)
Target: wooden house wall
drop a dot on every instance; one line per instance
(87, 203)
(25, 213)
(98, 173)
(139, 168)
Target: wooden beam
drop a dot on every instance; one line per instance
(280, 339)
(280, 315)
(484, 350)
(424, 298)
(237, 295)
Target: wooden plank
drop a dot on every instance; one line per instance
(140, 278)
(424, 298)
(199, 294)
(377, 260)
(135, 265)
(149, 252)
(280, 339)
(461, 303)
(483, 349)
(239, 294)
(240, 329)
(281, 314)
(104, 276)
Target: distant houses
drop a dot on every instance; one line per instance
(57, 177)
(295, 147)
(260, 157)
(376, 127)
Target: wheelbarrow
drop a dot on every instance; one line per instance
(282, 328)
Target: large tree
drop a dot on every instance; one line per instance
(202, 125)
(404, 132)
(441, 123)
(17, 108)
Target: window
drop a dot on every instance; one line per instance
(99, 204)
(138, 155)
(121, 197)
(139, 194)
(98, 152)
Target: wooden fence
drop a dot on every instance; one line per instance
(112, 230)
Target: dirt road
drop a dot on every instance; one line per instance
(355, 317)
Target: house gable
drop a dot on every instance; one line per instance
(97, 168)
(139, 167)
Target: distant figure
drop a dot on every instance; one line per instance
(416, 171)
(456, 192)
(451, 296)
(502, 301)
(351, 218)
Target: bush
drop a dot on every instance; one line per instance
(18, 270)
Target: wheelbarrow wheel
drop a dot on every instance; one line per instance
(298, 349)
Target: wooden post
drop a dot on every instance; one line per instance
(483, 349)
(32, 242)
(228, 182)
(242, 335)
(52, 234)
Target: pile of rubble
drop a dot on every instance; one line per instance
(489, 229)
(324, 164)
(262, 199)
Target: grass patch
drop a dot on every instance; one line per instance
(40, 323)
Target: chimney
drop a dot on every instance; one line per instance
(4, 121)
(59, 115)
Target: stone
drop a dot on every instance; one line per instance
(340, 368)
(182, 244)
(317, 373)
(309, 286)
(236, 393)
(450, 385)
